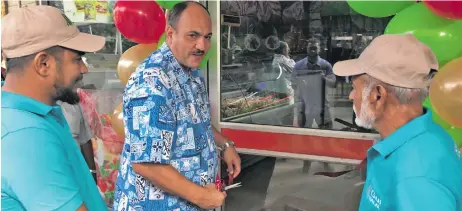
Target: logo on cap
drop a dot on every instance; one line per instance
(69, 22)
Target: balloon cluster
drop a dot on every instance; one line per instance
(438, 24)
(142, 22)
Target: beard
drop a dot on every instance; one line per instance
(67, 95)
(365, 119)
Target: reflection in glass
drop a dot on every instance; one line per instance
(277, 66)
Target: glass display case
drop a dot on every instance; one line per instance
(274, 94)
(265, 76)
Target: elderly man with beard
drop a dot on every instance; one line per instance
(42, 166)
(416, 165)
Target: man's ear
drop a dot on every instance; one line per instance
(169, 34)
(379, 97)
(42, 64)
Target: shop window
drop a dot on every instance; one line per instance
(277, 58)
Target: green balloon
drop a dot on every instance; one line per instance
(212, 51)
(167, 4)
(161, 41)
(443, 36)
(456, 133)
(378, 9)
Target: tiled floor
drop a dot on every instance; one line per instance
(290, 189)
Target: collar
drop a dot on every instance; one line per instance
(24, 103)
(172, 65)
(308, 60)
(408, 131)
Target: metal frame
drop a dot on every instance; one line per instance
(214, 80)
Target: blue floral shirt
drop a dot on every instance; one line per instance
(167, 121)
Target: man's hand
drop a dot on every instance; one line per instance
(230, 155)
(233, 161)
(212, 198)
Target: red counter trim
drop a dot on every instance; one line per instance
(300, 144)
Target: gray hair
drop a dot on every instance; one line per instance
(404, 95)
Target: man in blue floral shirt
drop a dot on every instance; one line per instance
(170, 158)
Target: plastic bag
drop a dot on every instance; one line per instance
(97, 108)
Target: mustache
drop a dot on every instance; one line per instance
(198, 52)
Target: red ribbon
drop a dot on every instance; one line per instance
(220, 183)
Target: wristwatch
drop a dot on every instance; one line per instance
(226, 145)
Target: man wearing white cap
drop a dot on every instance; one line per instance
(416, 165)
(42, 166)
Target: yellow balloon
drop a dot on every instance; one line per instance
(117, 120)
(131, 58)
(446, 92)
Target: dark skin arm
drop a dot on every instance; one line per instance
(87, 151)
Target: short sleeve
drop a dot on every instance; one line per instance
(150, 123)
(73, 117)
(329, 70)
(421, 194)
(38, 171)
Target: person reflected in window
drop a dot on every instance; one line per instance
(309, 78)
(282, 60)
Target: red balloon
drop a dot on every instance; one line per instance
(445, 9)
(139, 21)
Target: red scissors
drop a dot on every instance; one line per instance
(221, 184)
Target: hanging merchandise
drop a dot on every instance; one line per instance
(272, 42)
(139, 21)
(251, 42)
(87, 11)
(107, 144)
(4, 8)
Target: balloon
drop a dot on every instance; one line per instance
(167, 4)
(212, 51)
(446, 92)
(438, 33)
(117, 120)
(446, 9)
(139, 21)
(131, 58)
(456, 133)
(161, 41)
(378, 9)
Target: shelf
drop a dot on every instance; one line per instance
(231, 65)
(88, 23)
